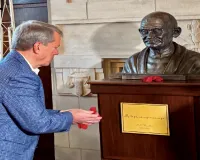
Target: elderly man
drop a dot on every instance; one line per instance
(162, 55)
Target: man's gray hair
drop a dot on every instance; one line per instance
(32, 31)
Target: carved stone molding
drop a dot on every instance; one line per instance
(73, 81)
(194, 27)
(78, 82)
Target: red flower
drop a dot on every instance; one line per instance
(85, 126)
(152, 79)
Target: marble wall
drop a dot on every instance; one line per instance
(95, 30)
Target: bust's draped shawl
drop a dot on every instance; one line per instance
(182, 61)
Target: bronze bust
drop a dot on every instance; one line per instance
(162, 55)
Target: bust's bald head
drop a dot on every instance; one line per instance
(158, 30)
(167, 18)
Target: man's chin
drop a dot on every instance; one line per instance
(46, 64)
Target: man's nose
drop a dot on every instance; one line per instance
(55, 52)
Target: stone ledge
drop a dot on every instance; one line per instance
(111, 20)
(91, 21)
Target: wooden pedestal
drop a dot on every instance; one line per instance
(183, 99)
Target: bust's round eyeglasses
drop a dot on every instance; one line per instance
(157, 31)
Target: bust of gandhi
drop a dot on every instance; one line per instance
(162, 55)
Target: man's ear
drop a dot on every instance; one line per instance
(177, 32)
(36, 47)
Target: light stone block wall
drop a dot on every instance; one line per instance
(77, 144)
(119, 9)
(94, 30)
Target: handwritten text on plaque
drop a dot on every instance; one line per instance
(142, 118)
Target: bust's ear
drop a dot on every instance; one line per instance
(177, 32)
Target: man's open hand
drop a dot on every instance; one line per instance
(84, 117)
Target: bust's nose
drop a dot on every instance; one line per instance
(150, 34)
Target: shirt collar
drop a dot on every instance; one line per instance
(36, 70)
